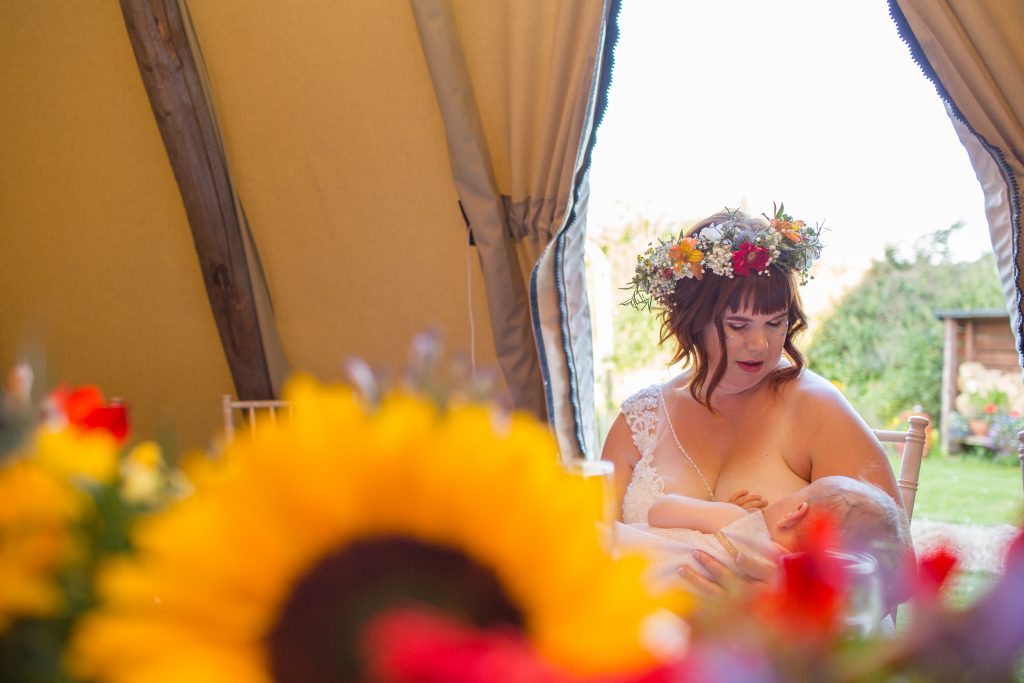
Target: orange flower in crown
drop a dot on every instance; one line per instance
(786, 226)
(686, 255)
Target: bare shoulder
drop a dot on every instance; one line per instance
(618, 445)
(813, 398)
(833, 434)
(810, 384)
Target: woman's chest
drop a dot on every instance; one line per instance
(757, 452)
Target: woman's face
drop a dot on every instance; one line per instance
(753, 347)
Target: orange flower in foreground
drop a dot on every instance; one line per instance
(36, 514)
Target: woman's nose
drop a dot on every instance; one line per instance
(757, 339)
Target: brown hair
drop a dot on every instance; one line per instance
(695, 303)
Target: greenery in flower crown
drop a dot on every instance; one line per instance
(724, 250)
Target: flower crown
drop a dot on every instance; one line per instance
(724, 250)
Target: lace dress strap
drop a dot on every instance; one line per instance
(646, 485)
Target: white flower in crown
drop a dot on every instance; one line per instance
(712, 233)
(718, 259)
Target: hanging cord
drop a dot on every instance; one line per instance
(469, 306)
(470, 242)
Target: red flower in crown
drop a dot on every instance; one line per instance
(748, 257)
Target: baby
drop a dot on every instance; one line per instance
(868, 518)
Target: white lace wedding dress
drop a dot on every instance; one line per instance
(641, 411)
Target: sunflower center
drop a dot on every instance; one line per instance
(316, 636)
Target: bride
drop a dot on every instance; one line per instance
(746, 422)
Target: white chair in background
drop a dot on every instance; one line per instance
(249, 411)
(910, 463)
(913, 440)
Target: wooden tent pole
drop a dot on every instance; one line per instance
(189, 131)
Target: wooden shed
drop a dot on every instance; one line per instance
(981, 335)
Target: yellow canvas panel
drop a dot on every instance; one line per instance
(100, 281)
(338, 153)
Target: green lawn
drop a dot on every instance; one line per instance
(969, 490)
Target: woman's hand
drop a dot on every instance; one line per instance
(753, 574)
(748, 501)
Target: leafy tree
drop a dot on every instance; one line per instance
(883, 343)
(636, 332)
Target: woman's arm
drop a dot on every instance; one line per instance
(677, 511)
(620, 450)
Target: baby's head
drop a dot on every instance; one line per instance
(867, 518)
(864, 514)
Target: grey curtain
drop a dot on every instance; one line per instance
(973, 51)
(518, 119)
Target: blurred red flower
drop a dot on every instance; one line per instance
(809, 599)
(421, 645)
(933, 572)
(85, 408)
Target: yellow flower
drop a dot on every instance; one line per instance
(36, 511)
(73, 454)
(142, 477)
(341, 513)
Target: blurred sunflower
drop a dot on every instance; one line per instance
(76, 456)
(273, 572)
(36, 539)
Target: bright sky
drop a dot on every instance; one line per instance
(817, 104)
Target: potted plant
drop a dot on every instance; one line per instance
(1004, 431)
(980, 407)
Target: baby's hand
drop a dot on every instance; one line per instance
(748, 501)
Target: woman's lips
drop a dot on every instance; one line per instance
(750, 366)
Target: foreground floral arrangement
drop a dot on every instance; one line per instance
(405, 540)
(68, 492)
(255, 578)
(272, 561)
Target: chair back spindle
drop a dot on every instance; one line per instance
(249, 411)
(913, 440)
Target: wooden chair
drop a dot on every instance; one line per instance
(910, 462)
(249, 411)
